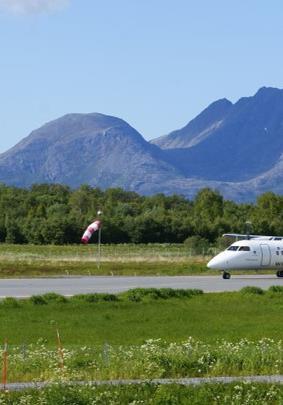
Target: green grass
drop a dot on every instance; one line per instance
(144, 334)
(124, 259)
(115, 252)
(151, 360)
(217, 394)
(48, 269)
(207, 317)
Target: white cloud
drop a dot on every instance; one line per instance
(32, 6)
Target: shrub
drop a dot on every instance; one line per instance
(38, 300)
(53, 297)
(134, 295)
(178, 293)
(197, 244)
(11, 302)
(95, 297)
(86, 297)
(252, 290)
(108, 297)
(276, 289)
(188, 293)
(142, 294)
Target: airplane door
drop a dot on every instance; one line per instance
(265, 255)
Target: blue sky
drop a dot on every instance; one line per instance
(154, 63)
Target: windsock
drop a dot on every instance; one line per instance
(90, 230)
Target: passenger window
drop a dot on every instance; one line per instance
(244, 248)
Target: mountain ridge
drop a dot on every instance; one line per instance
(248, 142)
(69, 151)
(236, 148)
(197, 129)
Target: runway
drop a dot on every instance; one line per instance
(69, 286)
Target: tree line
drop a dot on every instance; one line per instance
(56, 214)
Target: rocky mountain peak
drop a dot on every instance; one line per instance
(236, 148)
(198, 129)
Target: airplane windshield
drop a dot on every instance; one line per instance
(239, 248)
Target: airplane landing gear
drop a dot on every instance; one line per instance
(226, 275)
(279, 273)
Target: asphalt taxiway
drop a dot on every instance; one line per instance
(69, 286)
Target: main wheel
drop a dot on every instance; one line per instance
(226, 275)
(279, 273)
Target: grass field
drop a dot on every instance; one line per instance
(125, 259)
(144, 335)
(207, 317)
(217, 394)
(155, 259)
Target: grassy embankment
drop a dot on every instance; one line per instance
(126, 259)
(208, 317)
(104, 336)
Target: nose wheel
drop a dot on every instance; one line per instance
(279, 273)
(227, 275)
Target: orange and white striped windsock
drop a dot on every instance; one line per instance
(95, 226)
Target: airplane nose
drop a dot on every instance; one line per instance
(213, 264)
(217, 263)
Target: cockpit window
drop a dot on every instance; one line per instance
(239, 248)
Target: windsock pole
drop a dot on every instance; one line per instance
(99, 243)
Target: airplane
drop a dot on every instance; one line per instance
(251, 252)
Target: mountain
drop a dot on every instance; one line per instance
(235, 148)
(198, 129)
(93, 149)
(230, 142)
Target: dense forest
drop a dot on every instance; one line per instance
(55, 214)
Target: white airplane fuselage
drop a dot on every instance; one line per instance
(258, 253)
